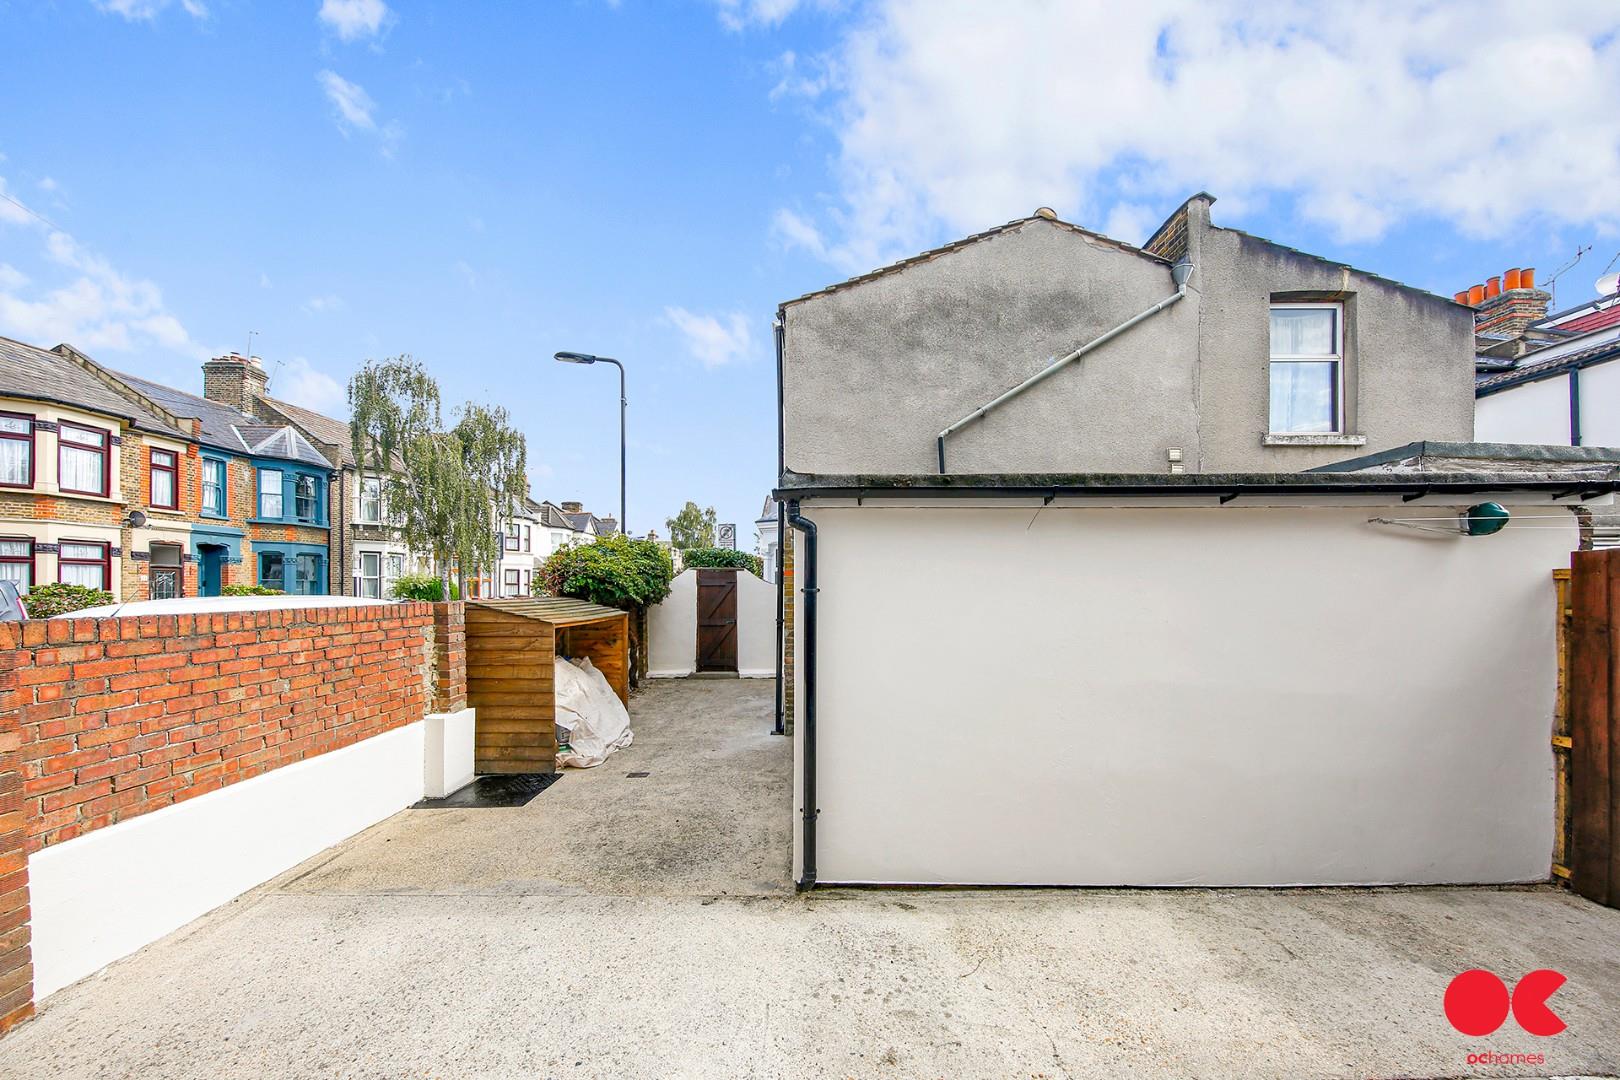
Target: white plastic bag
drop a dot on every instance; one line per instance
(590, 717)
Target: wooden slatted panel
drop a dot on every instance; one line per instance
(509, 683)
(607, 643)
(1594, 709)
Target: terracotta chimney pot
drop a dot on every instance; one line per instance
(1493, 287)
(1510, 280)
(1476, 295)
(1527, 278)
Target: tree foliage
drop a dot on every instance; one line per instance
(724, 558)
(693, 527)
(616, 571)
(447, 492)
(422, 587)
(43, 601)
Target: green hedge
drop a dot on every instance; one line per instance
(43, 601)
(723, 558)
(616, 571)
(249, 590)
(423, 587)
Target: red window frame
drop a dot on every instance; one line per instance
(32, 558)
(173, 469)
(105, 562)
(19, 437)
(106, 457)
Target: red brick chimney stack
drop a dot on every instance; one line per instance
(1504, 307)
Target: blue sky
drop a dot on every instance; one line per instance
(481, 185)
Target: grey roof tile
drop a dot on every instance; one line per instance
(36, 374)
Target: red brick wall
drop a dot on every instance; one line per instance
(102, 720)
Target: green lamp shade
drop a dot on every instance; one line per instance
(1484, 519)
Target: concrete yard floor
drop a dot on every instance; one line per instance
(620, 927)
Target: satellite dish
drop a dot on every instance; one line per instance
(1608, 283)
(136, 519)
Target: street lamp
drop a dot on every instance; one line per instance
(587, 358)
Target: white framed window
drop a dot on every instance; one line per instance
(1307, 369)
(371, 500)
(393, 570)
(84, 564)
(371, 574)
(509, 581)
(270, 494)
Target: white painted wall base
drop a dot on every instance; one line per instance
(449, 765)
(102, 896)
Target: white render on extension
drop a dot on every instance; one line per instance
(1181, 695)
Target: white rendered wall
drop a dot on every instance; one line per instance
(101, 896)
(756, 627)
(1600, 404)
(672, 628)
(450, 749)
(1180, 697)
(1532, 412)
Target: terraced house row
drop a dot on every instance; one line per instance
(115, 482)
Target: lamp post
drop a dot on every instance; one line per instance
(587, 358)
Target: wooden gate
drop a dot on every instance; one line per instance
(717, 620)
(1594, 726)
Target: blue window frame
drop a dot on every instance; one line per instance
(215, 483)
(292, 494)
(298, 569)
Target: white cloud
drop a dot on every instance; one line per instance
(738, 14)
(1358, 116)
(463, 270)
(714, 341)
(355, 109)
(142, 10)
(1131, 222)
(797, 231)
(317, 305)
(93, 305)
(301, 383)
(354, 19)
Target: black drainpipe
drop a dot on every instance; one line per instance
(1574, 406)
(805, 655)
(781, 538)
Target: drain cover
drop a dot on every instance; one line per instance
(636, 775)
(513, 790)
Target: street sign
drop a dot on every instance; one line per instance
(728, 537)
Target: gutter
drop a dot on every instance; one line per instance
(862, 489)
(807, 662)
(1179, 273)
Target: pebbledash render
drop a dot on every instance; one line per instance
(1150, 566)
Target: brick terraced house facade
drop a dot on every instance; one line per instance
(223, 497)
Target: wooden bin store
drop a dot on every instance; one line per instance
(511, 648)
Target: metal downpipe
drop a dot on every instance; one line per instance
(806, 663)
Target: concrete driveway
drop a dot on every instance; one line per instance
(620, 927)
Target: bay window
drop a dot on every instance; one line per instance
(17, 562)
(84, 563)
(509, 580)
(83, 462)
(16, 450)
(1307, 369)
(273, 570)
(165, 471)
(511, 536)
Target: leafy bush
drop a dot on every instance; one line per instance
(723, 558)
(43, 601)
(249, 590)
(616, 571)
(423, 587)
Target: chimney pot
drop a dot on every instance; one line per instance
(1493, 287)
(1527, 278)
(1476, 295)
(1462, 297)
(1510, 280)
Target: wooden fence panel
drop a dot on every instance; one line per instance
(1593, 699)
